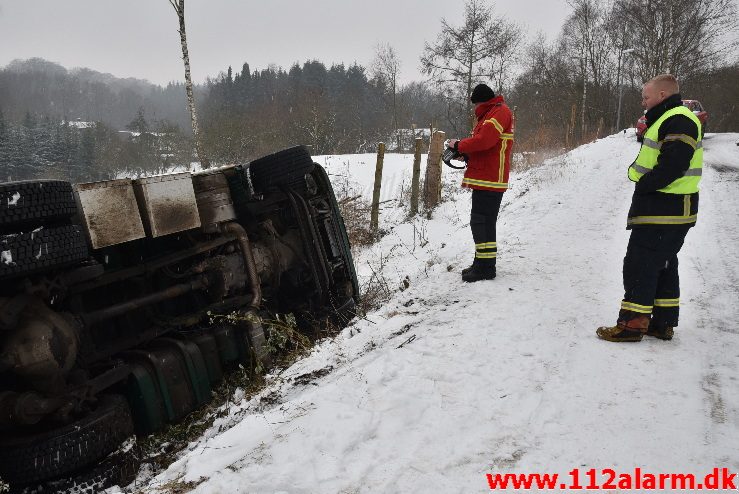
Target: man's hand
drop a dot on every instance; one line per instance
(452, 143)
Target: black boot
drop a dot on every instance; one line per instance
(478, 272)
(467, 270)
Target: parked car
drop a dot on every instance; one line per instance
(692, 104)
(109, 292)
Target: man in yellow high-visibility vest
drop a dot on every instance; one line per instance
(664, 206)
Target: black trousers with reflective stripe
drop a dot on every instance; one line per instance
(650, 270)
(485, 208)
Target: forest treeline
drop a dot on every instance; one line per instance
(83, 125)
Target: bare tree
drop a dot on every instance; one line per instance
(586, 41)
(386, 67)
(179, 8)
(681, 37)
(478, 50)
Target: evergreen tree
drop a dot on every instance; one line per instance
(139, 123)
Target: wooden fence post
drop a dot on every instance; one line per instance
(416, 176)
(432, 182)
(375, 215)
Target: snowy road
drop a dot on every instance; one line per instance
(451, 381)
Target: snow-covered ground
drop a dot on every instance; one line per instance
(450, 381)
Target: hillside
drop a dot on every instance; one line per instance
(448, 381)
(40, 87)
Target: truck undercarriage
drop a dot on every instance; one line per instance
(110, 295)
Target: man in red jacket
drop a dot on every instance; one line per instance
(488, 154)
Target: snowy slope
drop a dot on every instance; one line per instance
(450, 381)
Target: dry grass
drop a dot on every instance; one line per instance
(356, 214)
(178, 486)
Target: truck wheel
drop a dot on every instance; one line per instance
(31, 458)
(35, 201)
(118, 468)
(284, 168)
(40, 249)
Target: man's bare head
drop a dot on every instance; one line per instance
(658, 89)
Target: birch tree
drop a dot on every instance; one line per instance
(179, 8)
(585, 40)
(386, 67)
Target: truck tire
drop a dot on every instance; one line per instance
(283, 168)
(43, 456)
(118, 468)
(35, 201)
(41, 249)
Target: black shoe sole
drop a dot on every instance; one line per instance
(660, 337)
(472, 280)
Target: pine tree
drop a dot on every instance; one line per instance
(139, 123)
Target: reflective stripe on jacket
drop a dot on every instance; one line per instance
(489, 149)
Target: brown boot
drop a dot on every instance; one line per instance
(631, 330)
(661, 332)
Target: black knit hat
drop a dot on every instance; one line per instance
(481, 94)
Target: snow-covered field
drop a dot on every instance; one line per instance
(450, 381)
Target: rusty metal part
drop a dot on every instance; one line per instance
(82, 273)
(251, 269)
(317, 241)
(224, 273)
(213, 197)
(105, 380)
(224, 307)
(276, 253)
(312, 243)
(251, 324)
(174, 291)
(267, 260)
(43, 345)
(152, 266)
(26, 408)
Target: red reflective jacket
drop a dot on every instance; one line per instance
(488, 151)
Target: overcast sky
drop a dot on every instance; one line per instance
(138, 38)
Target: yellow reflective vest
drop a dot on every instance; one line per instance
(647, 158)
(683, 191)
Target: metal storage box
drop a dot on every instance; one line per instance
(110, 212)
(167, 203)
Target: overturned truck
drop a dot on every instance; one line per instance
(109, 291)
